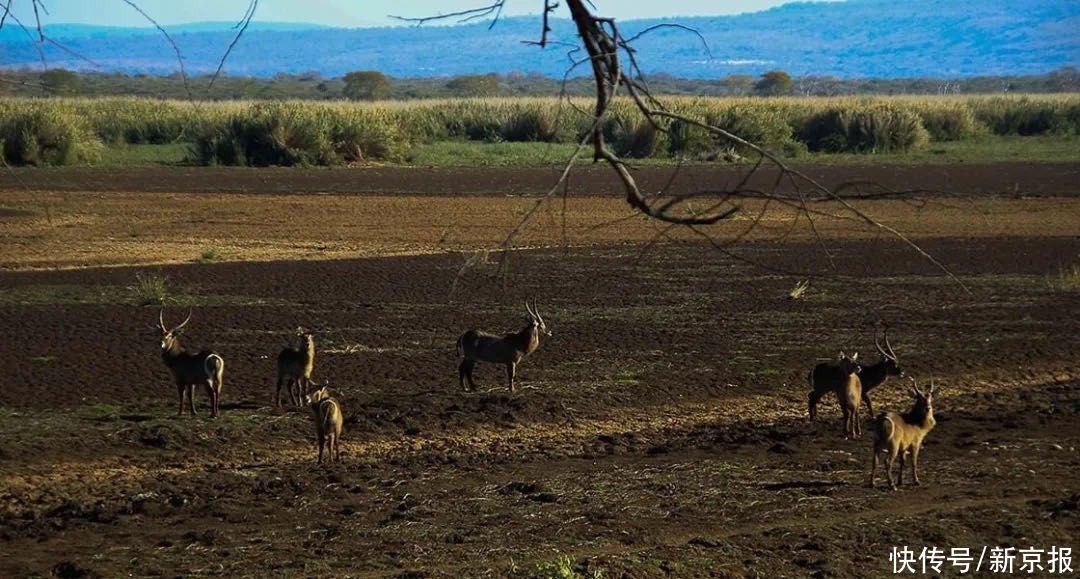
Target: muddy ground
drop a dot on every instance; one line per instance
(955, 179)
(661, 431)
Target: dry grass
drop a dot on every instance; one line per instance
(331, 133)
(1067, 278)
(126, 229)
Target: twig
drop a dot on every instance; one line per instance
(236, 39)
(169, 39)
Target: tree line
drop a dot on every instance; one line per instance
(374, 85)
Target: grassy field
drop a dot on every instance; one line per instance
(988, 149)
(91, 131)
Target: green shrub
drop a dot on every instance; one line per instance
(949, 121)
(866, 127)
(40, 134)
(136, 121)
(150, 289)
(1026, 117)
(686, 139)
(482, 128)
(275, 133)
(285, 133)
(762, 125)
(361, 137)
(629, 136)
(531, 125)
(217, 144)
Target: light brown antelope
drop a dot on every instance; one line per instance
(842, 378)
(190, 369)
(476, 346)
(328, 422)
(294, 367)
(876, 374)
(900, 434)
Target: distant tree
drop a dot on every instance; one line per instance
(367, 85)
(475, 85)
(738, 84)
(774, 83)
(61, 82)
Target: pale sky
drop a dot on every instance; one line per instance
(349, 12)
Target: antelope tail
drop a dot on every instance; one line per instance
(459, 345)
(214, 366)
(885, 426)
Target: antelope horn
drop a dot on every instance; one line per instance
(161, 321)
(931, 385)
(530, 310)
(915, 386)
(184, 323)
(538, 317)
(887, 344)
(877, 343)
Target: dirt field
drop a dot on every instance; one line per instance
(661, 431)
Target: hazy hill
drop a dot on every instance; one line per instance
(857, 38)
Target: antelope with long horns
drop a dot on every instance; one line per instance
(898, 435)
(475, 346)
(294, 367)
(875, 375)
(190, 369)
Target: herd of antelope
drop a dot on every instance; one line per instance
(899, 435)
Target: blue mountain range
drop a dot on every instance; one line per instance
(856, 38)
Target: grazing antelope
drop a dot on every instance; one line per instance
(476, 346)
(841, 377)
(190, 369)
(900, 434)
(876, 374)
(294, 367)
(328, 422)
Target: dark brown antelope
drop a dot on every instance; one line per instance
(900, 434)
(328, 422)
(190, 369)
(294, 367)
(876, 374)
(841, 377)
(476, 346)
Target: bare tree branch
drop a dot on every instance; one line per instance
(169, 39)
(37, 19)
(247, 15)
(602, 41)
(36, 43)
(7, 9)
(243, 26)
(72, 52)
(494, 9)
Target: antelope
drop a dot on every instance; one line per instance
(190, 369)
(900, 434)
(294, 367)
(475, 346)
(875, 375)
(841, 377)
(328, 422)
